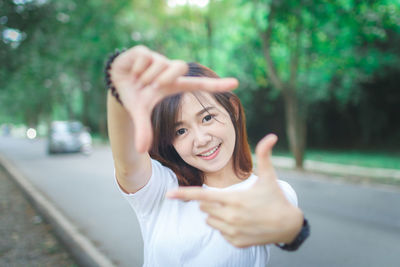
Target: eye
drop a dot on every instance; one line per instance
(208, 118)
(181, 131)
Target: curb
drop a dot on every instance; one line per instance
(81, 248)
(340, 169)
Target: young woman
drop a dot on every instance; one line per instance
(199, 140)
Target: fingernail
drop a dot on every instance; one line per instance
(271, 136)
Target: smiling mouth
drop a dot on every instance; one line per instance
(211, 153)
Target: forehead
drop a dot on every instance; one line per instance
(199, 98)
(192, 103)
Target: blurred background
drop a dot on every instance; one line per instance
(323, 75)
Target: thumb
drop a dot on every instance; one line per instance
(263, 153)
(143, 131)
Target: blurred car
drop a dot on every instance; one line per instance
(69, 136)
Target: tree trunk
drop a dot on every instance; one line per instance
(85, 107)
(295, 125)
(294, 112)
(85, 90)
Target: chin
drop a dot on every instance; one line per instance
(212, 169)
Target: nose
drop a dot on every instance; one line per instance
(201, 137)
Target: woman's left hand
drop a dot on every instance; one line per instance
(143, 77)
(256, 216)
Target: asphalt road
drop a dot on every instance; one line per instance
(351, 225)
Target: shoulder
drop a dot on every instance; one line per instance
(161, 175)
(158, 169)
(161, 179)
(149, 199)
(286, 188)
(289, 192)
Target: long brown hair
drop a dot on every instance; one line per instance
(164, 117)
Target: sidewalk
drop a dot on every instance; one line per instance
(84, 252)
(26, 239)
(337, 169)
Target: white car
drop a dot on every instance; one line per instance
(69, 136)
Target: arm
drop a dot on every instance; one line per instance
(132, 168)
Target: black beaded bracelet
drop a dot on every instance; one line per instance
(107, 77)
(300, 238)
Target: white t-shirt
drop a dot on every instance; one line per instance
(175, 232)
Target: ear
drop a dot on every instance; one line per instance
(235, 106)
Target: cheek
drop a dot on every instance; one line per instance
(182, 147)
(229, 132)
(231, 138)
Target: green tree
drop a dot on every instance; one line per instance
(56, 69)
(312, 48)
(27, 59)
(306, 51)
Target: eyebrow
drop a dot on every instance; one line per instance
(205, 109)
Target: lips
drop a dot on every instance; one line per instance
(211, 153)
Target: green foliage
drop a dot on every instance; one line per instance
(55, 70)
(336, 43)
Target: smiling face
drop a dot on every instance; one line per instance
(201, 147)
(204, 134)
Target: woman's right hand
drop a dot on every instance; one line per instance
(258, 215)
(143, 77)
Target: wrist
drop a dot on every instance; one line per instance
(294, 223)
(299, 239)
(107, 76)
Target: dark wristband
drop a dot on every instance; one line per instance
(107, 76)
(300, 238)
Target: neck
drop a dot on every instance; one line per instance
(223, 178)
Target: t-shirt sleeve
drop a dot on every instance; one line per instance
(149, 199)
(289, 192)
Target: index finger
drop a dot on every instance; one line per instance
(184, 84)
(197, 193)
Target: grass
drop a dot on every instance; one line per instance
(374, 159)
(98, 139)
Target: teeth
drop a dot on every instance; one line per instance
(210, 152)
